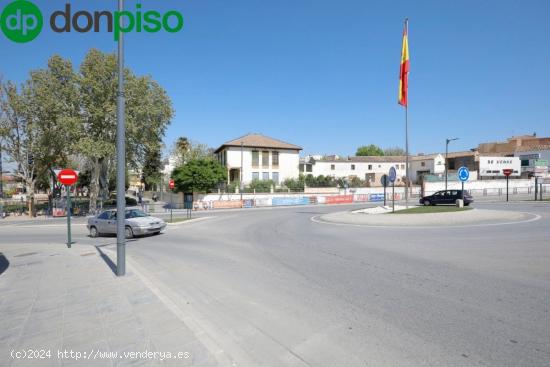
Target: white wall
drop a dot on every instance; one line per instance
(288, 163)
(493, 166)
(343, 168)
(435, 165)
(489, 187)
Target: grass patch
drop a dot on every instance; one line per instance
(431, 209)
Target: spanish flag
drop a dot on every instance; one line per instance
(404, 69)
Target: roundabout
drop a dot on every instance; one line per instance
(380, 217)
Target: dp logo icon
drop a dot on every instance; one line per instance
(21, 21)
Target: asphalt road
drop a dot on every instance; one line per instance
(272, 288)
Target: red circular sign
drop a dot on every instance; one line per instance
(172, 184)
(507, 171)
(67, 177)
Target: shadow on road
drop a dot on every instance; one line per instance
(4, 263)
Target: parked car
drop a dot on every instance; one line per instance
(447, 197)
(137, 223)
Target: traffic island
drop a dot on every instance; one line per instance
(438, 216)
(432, 209)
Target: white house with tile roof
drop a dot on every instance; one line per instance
(259, 157)
(368, 168)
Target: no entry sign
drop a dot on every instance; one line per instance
(67, 177)
(507, 171)
(172, 184)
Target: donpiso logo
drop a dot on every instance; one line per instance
(21, 21)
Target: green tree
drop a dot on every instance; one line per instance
(185, 150)
(148, 113)
(151, 172)
(396, 151)
(369, 150)
(199, 175)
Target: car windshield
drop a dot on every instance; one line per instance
(135, 213)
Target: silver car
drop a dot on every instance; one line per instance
(137, 223)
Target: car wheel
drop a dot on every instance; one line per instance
(427, 203)
(128, 232)
(94, 232)
(156, 233)
(466, 204)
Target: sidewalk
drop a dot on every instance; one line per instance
(69, 307)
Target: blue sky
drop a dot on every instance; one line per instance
(324, 74)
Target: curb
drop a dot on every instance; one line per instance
(200, 219)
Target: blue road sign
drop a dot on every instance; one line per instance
(463, 174)
(392, 174)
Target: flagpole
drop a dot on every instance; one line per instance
(407, 156)
(407, 132)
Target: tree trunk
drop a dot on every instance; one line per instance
(30, 197)
(94, 185)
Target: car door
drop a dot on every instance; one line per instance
(438, 197)
(454, 195)
(110, 225)
(101, 222)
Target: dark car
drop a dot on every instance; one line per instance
(446, 197)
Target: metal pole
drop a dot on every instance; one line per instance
(446, 154)
(507, 177)
(171, 206)
(121, 157)
(536, 187)
(241, 174)
(407, 148)
(393, 197)
(69, 241)
(1, 177)
(385, 192)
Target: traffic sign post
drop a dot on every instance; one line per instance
(507, 172)
(392, 175)
(384, 181)
(463, 175)
(68, 177)
(171, 184)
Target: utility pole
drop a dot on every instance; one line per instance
(241, 174)
(121, 157)
(447, 141)
(1, 175)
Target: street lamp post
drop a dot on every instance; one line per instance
(447, 141)
(241, 174)
(1, 177)
(121, 157)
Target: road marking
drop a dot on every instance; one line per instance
(316, 219)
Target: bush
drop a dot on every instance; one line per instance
(320, 181)
(261, 185)
(295, 185)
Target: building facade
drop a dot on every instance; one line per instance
(368, 168)
(259, 157)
